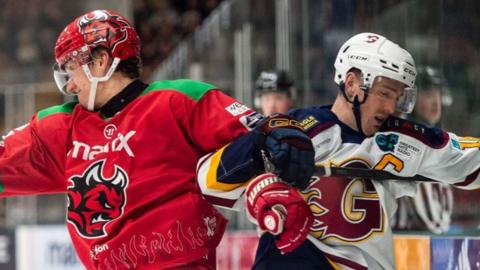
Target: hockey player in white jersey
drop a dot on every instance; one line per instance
(431, 207)
(350, 228)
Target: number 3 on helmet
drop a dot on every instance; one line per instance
(375, 55)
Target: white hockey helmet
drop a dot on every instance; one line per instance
(375, 55)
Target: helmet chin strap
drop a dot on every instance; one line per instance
(356, 112)
(92, 94)
(355, 108)
(95, 80)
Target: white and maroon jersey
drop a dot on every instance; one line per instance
(133, 202)
(351, 224)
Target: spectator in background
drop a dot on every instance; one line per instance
(433, 94)
(274, 90)
(28, 52)
(6, 47)
(162, 24)
(190, 20)
(27, 35)
(208, 6)
(431, 207)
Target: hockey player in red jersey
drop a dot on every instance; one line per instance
(351, 229)
(126, 152)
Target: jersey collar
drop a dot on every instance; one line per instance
(122, 99)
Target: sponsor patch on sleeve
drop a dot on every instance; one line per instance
(236, 108)
(308, 122)
(407, 150)
(394, 144)
(251, 120)
(386, 142)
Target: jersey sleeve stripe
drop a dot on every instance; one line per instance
(64, 108)
(466, 145)
(228, 203)
(211, 182)
(470, 179)
(191, 88)
(341, 263)
(333, 264)
(211, 191)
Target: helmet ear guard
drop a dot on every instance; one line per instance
(375, 56)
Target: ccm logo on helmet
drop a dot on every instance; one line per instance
(358, 57)
(409, 71)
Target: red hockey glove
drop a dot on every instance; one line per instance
(279, 209)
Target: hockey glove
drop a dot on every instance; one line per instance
(280, 210)
(284, 144)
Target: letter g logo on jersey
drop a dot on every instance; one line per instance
(94, 201)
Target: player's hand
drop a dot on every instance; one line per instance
(279, 209)
(288, 148)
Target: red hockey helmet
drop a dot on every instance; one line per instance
(99, 28)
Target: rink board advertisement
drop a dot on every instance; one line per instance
(455, 253)
(412, 252)
(50, 248)
(7, 249)
(45, 247)
(237, 250)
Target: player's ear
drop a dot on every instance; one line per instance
(102, 59)
(351, 84)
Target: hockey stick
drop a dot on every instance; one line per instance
(322, 170)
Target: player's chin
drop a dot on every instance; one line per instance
(82, 101)
(371, 130)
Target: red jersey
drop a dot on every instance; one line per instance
(130, 179)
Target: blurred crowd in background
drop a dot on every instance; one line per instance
(28, 33)
(162, 24)
(26, 46)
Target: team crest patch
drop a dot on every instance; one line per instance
(386, 142)
(94, 201)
